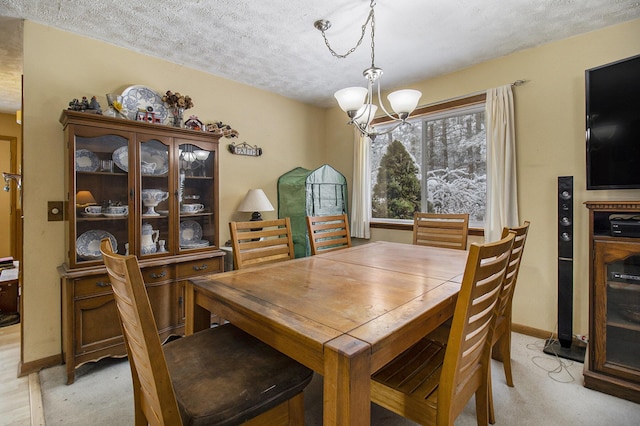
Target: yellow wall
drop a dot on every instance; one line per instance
(550, 128)
(60, 66)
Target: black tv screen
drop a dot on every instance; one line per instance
(613, 125)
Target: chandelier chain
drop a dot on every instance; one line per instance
(373, 34)
(358, 102)
(370, 17)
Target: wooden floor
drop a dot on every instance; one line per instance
(20, 398)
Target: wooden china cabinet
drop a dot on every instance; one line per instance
(613, 364)
(157, 191)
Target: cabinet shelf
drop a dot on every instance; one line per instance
(616, 285)
(100, 219)
(615, 319)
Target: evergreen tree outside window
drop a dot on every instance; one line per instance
(436, 165)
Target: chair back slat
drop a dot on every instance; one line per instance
(469, 345)
(441, 230)
(259, 242)
(433, 380)
(508, 288)
(327, 233)
(152, 383)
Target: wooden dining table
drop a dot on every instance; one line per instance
(344, 313)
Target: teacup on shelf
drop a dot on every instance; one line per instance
(118, 210)
(192, 208)
(93, 209)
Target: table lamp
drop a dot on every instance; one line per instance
(84, 199)
(255, 201)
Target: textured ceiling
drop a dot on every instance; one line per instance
(272, 44)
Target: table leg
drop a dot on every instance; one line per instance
(196, 317)
(347, 392)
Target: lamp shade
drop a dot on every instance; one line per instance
(365, 114)
(255, 201)
(84, 198)
(351, 98)
(201, 154)
(404, 101)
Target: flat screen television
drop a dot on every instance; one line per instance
(613, 125)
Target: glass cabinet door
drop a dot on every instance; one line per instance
(623, 312)
(620, 301)
(196, 196)
(156, 197)
(100, 195)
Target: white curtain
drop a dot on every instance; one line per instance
(502, 188)
(361, 192)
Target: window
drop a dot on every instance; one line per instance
(437, 164)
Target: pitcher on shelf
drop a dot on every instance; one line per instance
(149, 239)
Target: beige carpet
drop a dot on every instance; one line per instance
(546, 393)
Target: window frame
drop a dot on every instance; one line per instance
(437, 108)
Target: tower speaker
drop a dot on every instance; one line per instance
(563, 346)
(565, 260)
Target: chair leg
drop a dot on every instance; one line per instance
(482, 405)
(505, 349)
(288, 413)
(492, 415)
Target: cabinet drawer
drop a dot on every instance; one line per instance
(199, 267)
(157, 274)
(91, 286)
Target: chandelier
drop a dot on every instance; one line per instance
(357, 102)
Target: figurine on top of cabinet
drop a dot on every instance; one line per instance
(222, 129)
(193, 123)
(85, 106)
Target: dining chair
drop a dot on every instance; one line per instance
(259, 242)
(219, 376)
(501, 341)
(328, 233)
(441, 230)
(432, 381)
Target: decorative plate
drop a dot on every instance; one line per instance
(190, 232)
(86, 161)
(195, 244)
(88, 244)
(138, 97)
(150, 155)
(121, 158)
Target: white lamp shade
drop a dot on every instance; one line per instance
(404, 101)
(201, 154)
(365, 114)
(189, 156)
(255, 201)
(351, 98)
